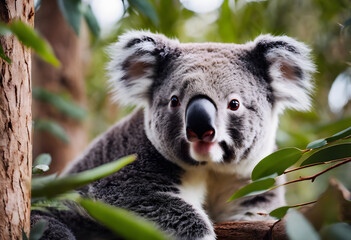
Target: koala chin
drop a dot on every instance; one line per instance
(205, 114)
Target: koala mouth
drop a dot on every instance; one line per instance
(202, 147)
(203, 151)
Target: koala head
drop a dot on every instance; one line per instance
(211, 104)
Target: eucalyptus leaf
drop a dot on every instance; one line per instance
(41, 168)
(4, 29)
(3, 55)
(276, 162)
(331, 207)
(65, 106)
(91, 20)
(328, 153)
(51, 127)
(317, 144)
(299, 228)
(279, 212)
(253, 188)
(337, 231)
(43, 204)
(340, 135)
(31, 39)
(121, 221)
(38, 230)
(24, 236)
(71, 10)
(146, 8)
(42, 159)
(61, 185)
(40, 182)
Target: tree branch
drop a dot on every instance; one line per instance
(315, 164)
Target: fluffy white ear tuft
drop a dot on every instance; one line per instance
(133, 65)
(289, 68)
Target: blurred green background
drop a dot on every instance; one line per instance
(325, 25)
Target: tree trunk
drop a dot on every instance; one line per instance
(66, 79)
(15, 125)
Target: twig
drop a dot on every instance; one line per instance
(313, 177)
(315, 164)
(303, 204)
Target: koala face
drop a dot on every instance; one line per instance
(211, 104)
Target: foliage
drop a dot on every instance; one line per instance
(51, 127)
(305, 230)
(41, 163)
(49, 187)
(121, 221)
(64, 105)
(28, 37)
(50, 191)
(332, 150)
(37, 231)
(323, 24)
(73, 10)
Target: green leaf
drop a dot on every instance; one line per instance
(276, 162)
(43, 204)
(146, 8)
(51, 127)
(40, 182)
(337, 231)
(253, 188)
(24, 236)
(328, 153)
(340, 135)
(64, 184)
(322, 142)
(4, 29)
(122, 222)
(317, 144)
(38, 229)
(91, 20)
(65, 106)
(43, 158)
(299, 228)
(3, 55)
(279, 212)
(31, 39)
(71, 10)
(41, 163)
(331, 207)
(40, 169)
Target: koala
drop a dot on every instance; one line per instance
(206, 114)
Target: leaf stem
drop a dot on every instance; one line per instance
(303, 204)
(315, 164)
(313, 177)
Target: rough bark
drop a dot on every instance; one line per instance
(67, 79)
(15, 125)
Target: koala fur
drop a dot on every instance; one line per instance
(180, 184)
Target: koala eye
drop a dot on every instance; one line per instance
(233, 105)
(175, 101)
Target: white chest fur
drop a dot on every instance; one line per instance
(208, 191)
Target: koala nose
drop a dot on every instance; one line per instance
(199, 117)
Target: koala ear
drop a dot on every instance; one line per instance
(289, 67)
(134, 65)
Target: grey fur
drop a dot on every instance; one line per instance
(179, 190)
